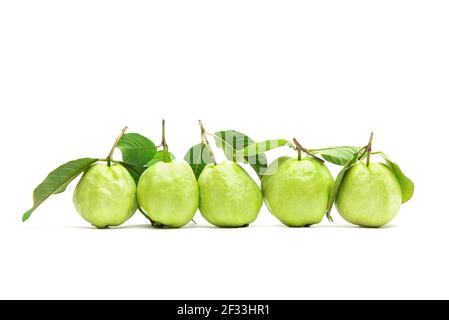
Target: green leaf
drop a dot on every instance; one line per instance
(134, 170)
(261, 147)
(259, 163)
(407, 185)
(57, 181)
(338, 181)
(336, 155)
(159, 156)
(231, 141)
(136, 149)
(198, 157)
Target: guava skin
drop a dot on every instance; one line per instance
(229, 197)
(370, 196)
(106, 196)
(298, 192)
(168, 193)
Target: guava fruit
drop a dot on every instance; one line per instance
(297, 191)
(229, 197)
(369, 196)
(168, 193)
(106, 195)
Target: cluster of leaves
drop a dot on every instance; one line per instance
(237, 147)
(139, 153)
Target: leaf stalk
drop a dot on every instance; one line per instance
(205, 140)
(111, 152)
(300, 149)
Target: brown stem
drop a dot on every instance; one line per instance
(300, 148)
(205, 140)
(369, 148)
(164, 143)
(109, 157)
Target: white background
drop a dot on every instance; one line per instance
(73, 73)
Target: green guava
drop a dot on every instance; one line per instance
(229, 197)
(168, 193)
(370, 196)
(297, 191)
(106, 196)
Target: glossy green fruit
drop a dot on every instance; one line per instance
(369, 196)
(229, 197)
(106, 196)
(297, 191)
(168, 193)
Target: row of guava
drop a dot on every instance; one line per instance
(299, 191)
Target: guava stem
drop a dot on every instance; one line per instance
(205, 140)
(300, 149)
(110, 154)
(369, 148)
(299, 153)
(164, 142)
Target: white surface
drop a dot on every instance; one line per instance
(73, 73)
